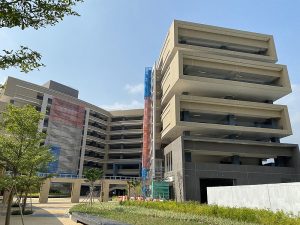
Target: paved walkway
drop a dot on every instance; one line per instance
(53, 213)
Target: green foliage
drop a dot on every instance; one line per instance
(145, 216)
(264, 217)
(20, 148)
(21, 152)
(93, 174)
(25, 59)
(136, 185)
(31, 14)
(35, 13)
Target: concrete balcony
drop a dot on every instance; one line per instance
(220, 118)
(223, 77)
(127, 122)
(98, 120)
(124, 151)
(92, 128)
(94, 149)
(216, 40)
(127, 131)
(96, 139)
(93, 159)
(126, 141)
(125, 161)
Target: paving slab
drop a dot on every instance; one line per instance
(53, 213)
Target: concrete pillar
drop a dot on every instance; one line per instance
(105, 190)
(44, 192)
(75, 193)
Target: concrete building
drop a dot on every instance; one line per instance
(210, 118)
(81, 135)
(213, 91)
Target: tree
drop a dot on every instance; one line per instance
(31, 14)
(135, 184)
(92, 175)
(21, 151)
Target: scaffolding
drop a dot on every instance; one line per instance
(146, 156)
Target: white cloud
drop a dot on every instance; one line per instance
(293, 103)
(135, 89)
(134, 104)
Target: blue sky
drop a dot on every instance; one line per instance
(104, 51)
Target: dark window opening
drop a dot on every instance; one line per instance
(212, 182)
(40, 96)
(188, 156)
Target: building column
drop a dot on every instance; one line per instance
(44, 191)
(86, 124)
(75, 193)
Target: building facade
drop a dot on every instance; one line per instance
(213, 91)
(81, 135)
(209, 117)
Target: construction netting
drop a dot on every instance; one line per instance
(53, 166)
(146, 156)
(64, 134)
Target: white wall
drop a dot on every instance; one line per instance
(282, 196)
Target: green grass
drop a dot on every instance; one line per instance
(137, 215)
(256, 216)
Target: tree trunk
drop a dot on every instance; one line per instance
(24, 201)
(8, 209)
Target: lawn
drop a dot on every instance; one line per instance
(256, 216)
(138, 215)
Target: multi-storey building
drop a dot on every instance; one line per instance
(81, 135)
(213, 121)
(213, 93)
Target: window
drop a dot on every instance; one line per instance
(46, 121)
(40, 96)
(49, 100)
(188, 156)
(169, 163)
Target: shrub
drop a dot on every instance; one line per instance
(17, 212)
(259, 216)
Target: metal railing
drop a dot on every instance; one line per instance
(72, 176)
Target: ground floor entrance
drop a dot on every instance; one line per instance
(212, 182)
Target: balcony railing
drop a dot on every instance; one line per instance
(134, 140)
(231, 75)
(229, 120)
